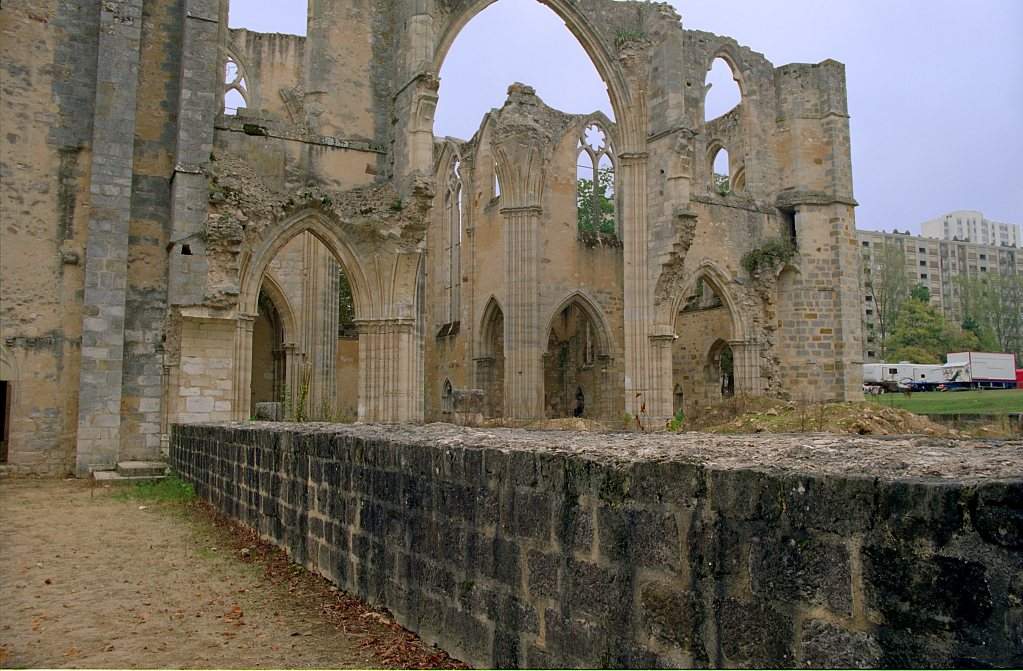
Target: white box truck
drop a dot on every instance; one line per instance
(986, 370)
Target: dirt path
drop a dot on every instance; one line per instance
(88, 579)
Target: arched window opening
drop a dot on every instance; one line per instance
(721, 181)
(595, 182)
(722, 90)
(497, 183)
(678, 400)
(236, 91)
(453, 202)
(346, 327)
(478, 68)
(269, 17)
(721, 369)
(447, 398)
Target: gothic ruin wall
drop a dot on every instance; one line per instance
(512, 548)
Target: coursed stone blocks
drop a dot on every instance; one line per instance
(523, 548)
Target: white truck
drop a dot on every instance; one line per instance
(902, 375)
(984, 370)
(907, 376)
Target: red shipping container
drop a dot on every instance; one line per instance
(1019, 378)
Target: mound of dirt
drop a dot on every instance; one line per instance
(770, 416)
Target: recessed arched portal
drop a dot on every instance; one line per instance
(703, 362)
(272, 331)
(309, 267)
(577, 361)
(490, 359)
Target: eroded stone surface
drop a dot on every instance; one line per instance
(547, 548)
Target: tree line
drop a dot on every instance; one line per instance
(907, 327)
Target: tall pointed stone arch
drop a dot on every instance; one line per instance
(623, 64)
(255, 263)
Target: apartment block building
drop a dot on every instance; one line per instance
(936, 264)
(971, 226)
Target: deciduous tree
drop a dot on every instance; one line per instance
(888, 288)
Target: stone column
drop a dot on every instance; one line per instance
(643, 398)
(387, 371)
(243, 367)
(662, 376)
(292, 366)
(746, 367)
(106, 251)
(523, 346)
(522, 145)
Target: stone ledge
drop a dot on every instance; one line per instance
(887, 457)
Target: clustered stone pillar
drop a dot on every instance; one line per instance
(243, 373)
(643, 398)
(523, 378)
(388, 371)
(106, 251)
(746, 367)
(661, 370)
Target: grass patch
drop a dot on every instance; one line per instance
(171, 489)
(990, 402)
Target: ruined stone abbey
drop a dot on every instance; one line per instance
(162, 261)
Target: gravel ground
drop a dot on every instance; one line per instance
(89, 579)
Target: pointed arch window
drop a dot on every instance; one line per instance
(596, 207)
(720, 170)
(722, 90)
(455, 212)
(236, 89)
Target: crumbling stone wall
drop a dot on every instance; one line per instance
(546, 549)
(570, 264)
(137, 216)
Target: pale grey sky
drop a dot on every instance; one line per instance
(935, 86)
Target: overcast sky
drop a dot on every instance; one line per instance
(935, 86)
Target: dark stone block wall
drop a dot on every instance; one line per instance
(515, 549)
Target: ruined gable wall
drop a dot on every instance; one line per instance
(48, 57)
(350, 77)
(274, 67)
(568, 264)
(790, 137)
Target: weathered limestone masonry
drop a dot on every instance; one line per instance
(141, 216)
(106, 253)
(551, 549)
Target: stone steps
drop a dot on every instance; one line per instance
(133, 471)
